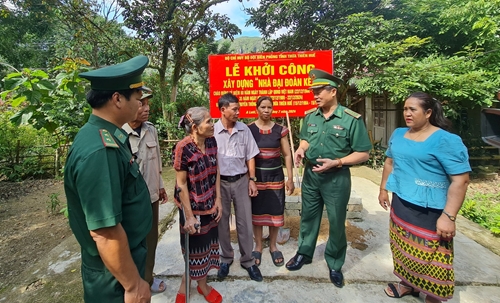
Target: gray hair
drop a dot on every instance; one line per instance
(193, 116)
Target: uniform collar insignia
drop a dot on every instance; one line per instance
(120, 136)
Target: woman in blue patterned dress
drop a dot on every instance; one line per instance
(197, 194)
(269, 205)
(427, 170)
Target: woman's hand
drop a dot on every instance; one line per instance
(445, 227)
(218, 209)
(289, 186)
(383, 199)
(252, 189)
(189, 225)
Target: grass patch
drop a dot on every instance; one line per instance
(483, 209)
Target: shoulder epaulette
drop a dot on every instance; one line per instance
(150, 123)
(307, 112)
(107, 139)
(352, 113)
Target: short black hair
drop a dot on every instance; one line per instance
(227, 99)
(97, 98)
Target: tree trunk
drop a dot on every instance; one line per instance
(173, 99)
(163, 94)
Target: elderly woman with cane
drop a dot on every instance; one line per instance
(197, 194)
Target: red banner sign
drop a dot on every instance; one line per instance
(282, 76)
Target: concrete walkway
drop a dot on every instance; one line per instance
(477, 269)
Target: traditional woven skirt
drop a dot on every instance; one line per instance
(269, 205)
(203, 247)
(422, 259)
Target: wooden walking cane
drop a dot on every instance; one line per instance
(186, 255)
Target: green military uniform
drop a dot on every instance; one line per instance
(104, 187)
(334, 137)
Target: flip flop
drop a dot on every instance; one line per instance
(258, 256)
(156, 286)
(277, 255)
(396, 291)
(212, 297)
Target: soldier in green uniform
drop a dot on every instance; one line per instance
(105, 189)
(333, 138)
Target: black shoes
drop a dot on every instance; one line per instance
(297, 262)
(337, 278)
(253, 272)
(223, 270)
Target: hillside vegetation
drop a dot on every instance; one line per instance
(242, 45)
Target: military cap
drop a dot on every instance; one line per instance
(321, 78)
(146, 92)
(121, 76)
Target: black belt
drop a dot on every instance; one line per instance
(232, 178)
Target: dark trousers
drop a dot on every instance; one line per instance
(152, 242)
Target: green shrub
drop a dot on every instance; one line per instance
(483, 209)
(23, 150)
(53, 204)
(377, 156)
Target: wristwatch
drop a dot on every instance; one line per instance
(452, 218)
(254, 179)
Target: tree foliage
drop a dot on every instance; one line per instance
(200, 59)
(93, 32)
(55, 101)
(27, 33)
(308, 23)
(168, 30)
(447, 48)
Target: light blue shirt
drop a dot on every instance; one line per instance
(421, 170)
(234, 149)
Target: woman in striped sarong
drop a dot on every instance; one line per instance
(427, 170)
(197, 194)
(269, 205)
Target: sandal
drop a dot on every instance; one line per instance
(258, 256)
(212, 297)
(277, 255)
(180, 298)
(396, 291)
(158, 286)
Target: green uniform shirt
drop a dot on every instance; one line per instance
(103, 188)
(341, 134)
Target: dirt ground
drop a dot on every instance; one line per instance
(28, 231)
(355, 235)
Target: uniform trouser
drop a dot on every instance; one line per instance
(152, 242)
(99, 285)
(333, 190)
(236, 192)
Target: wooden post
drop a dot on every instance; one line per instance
(57, 163)
(295, 172)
